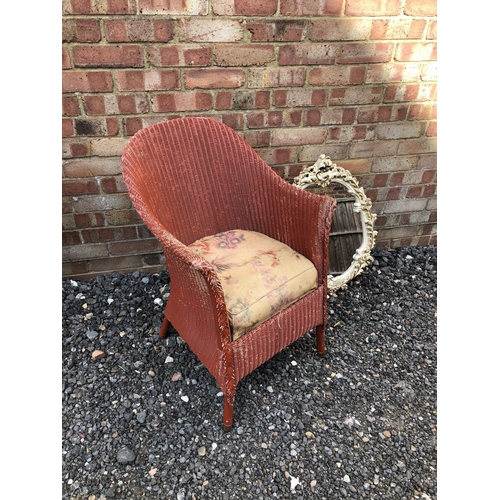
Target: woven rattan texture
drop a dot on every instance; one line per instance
(192, 177)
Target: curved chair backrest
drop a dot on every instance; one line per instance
(196, 176)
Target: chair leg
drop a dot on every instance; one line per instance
(227, 417)
(320, 340)
(164, 327)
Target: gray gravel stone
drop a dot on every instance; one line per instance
(125, 455)
(365, 411)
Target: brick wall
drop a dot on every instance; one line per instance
(354, 79)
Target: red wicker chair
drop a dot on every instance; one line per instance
(192, 178)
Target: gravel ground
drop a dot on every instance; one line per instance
(144, 421)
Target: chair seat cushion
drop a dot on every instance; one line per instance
(260, 276)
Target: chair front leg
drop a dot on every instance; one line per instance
(320, 340)
(227, 417)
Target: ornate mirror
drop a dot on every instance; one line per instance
(352, 234)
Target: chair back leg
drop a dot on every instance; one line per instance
(164, 327)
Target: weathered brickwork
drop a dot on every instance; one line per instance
(353, 79)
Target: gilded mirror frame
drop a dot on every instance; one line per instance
(323, 173)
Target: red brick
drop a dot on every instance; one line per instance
(87, 81)
(80, 30)
(101, 235)
(258, 138)
(66, 60)
(245, 7)
(94, 104)
(72, 187)
(262, 99)
(122, 217)
(121, 7)
(337, 75)
(111, 104)
(243, 55)
(129, 104)
(67, 127)
(422, 111)
(355, 95)
(428, 176)
(311, 7)
(185, 101)
(380, 180)
(129, 80)
(432, 30)
(429, 190)
(367, 8)
(397, 179)
(79, 149)
(393, 72)
(417, 146)
(350, 133)
(117, 56)
(223, 100)
(410, 92)
(399, 28)
(234, 120)
(416, 51)
(70, 238)
(414, 192)
(272, 119)
(100, 7)
(283, 30)
(306, 54)
(382, 114)
(425, 8)
(297, 136)
(393, 194)
(113, 185)
(214, 78)
(358, 53)
(133, 125)
(79, 7)
(330, 116)
(356, 167)
(299, 97)
(112, 126)
(139, 30)
(340, 29)
(178, 55)
(70, 106)
(278, 156)
(138, 246)
(89, 220)
(276, 77)
(174, 7)
(431, 129)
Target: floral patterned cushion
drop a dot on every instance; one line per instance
(259, 275)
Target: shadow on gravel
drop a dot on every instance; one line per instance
(144, 421)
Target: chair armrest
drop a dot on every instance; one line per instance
(300, 219)
(195, 287)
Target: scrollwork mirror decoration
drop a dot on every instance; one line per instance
(323, 173)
